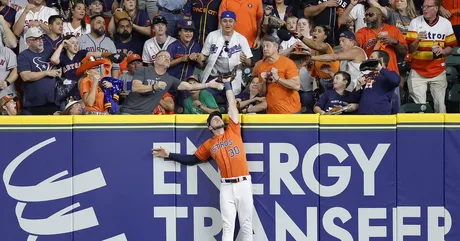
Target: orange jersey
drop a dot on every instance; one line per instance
(280, 100)
(454, 8)
(368, 41)
(439, 33)
(248, 15)
(228, 151)
(317, 72)
(85, 87)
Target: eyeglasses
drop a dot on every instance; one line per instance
(36, 39)
(428, 6)
(369, 14)
(226, 46)
(164, 56)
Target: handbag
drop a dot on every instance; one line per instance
(66, 88)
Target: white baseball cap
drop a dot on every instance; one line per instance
(33, 32)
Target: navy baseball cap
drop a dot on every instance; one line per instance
(348, 35)
(186, 24)
(228, 14)
(214, 113)
(159, 19)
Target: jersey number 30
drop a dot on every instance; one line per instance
(233, 151)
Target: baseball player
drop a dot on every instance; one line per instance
(226, 147)
(161, 41)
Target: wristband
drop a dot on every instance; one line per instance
(301, 37)
(153, 88)
(227, 86)
(7, 83)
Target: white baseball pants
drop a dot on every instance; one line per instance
(236, 197)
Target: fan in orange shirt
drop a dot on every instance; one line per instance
(380, 36)
(280, 79)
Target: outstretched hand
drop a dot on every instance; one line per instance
(160, 152)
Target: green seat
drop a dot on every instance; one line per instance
(454, 58)
(416, 108)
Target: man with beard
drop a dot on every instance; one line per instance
(39, 80)
(161, 41)
(52, 40)
(125, 42)
(150, 84)
(381, 36)
(33, 15)
(97, 41)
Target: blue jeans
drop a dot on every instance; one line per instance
(307, 100)
(172, 21)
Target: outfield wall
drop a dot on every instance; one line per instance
(88, 178)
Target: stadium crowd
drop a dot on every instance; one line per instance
(102, 57)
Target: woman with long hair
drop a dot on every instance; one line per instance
(140, 20)
(90, 86)
(400, 14)
(319, 45)
(76, 24)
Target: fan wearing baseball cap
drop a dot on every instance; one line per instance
(199, 102)
(9, 105)
(184, 51)
(350, 57)
(161, 41)
(249, 14)
(39, 79)
(134, 62)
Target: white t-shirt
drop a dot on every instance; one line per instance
(357, 14)
(18, 4)
(8, 61)
(287, 44)
(42, 15)
(151, 48)
(67, 29)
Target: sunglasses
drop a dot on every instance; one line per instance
(226, 46)
(369, 14)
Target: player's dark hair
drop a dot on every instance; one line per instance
(82, 21)
(53, 19)
(383, 55)
(346, 76)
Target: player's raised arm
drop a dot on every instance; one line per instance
(232, 110)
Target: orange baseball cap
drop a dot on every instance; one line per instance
(134, 57)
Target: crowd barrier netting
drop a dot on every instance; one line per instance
(362, 178)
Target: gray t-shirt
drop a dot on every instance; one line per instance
(144, 103)
(8, 61)
(103, 44)
(401, 22)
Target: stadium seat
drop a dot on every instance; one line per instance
(454, 59)
(416, 108)
(454, 95)
(452, 75)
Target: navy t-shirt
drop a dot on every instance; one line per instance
(376, 95)
(40, 92)
(9, 14)
(134, 46)
(331, 98)
(70, 66)
(245, 95)
(51, 45)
